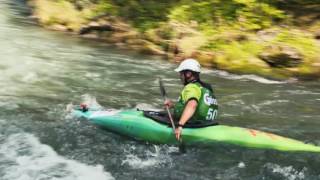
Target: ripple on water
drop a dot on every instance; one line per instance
(302, 92)
(231, 76)
(8, 105)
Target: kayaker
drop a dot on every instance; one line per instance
(196, 101)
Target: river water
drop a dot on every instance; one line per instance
(44, 71)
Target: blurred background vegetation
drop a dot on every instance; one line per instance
(273, 38)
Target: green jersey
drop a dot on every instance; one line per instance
(207, 108)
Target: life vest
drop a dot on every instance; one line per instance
(207, 108)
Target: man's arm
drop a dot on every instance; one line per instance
(188, 112)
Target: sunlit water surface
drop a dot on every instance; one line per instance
(43, 71)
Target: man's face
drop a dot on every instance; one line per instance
(184, 76)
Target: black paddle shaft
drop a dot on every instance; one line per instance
(164, 95)
(182, 147)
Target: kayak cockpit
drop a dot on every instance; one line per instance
(163, 118)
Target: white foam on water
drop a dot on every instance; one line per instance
(92, 75)
(241, 165)
(261, 106)
(288, 171)
(252, 77)
(30, 77)
(149, 159)
(302, 92)
(235, 102)
(23, 157)
(271, 102)
(228, 115)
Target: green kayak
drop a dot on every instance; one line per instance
(139, 125)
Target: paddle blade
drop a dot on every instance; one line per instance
(182, 147)
(162, 89)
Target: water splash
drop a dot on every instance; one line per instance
(288, 171)
(91, 101)
(241, 165)
(160, 156)
(22, 156)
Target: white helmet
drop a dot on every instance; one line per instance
(189, 64)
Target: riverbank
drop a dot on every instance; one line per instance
(245, 37)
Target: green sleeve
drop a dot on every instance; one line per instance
(191, 91)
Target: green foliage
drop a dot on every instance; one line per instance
(204, 12)
(241, 58)
(94, 8)
(200, 12)
(238, 52)
(304, 43)
(241, 14)
(105, 7)
(144, 14)
(259, 16)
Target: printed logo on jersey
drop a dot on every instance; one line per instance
(209, 100)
